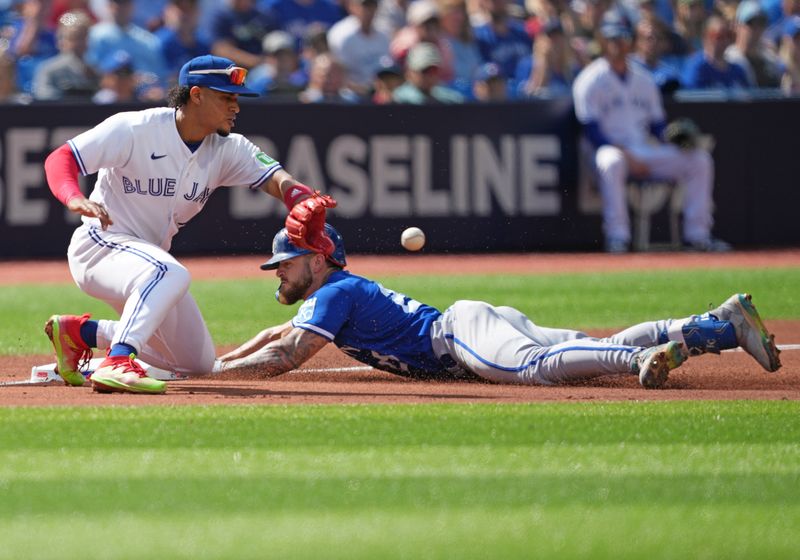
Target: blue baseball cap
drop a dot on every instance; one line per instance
(283, 249)
(217, 73)
(615, 26)
(615, 30)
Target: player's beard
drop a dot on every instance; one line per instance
(222, 132)
(289, 293)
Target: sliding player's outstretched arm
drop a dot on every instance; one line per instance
(287, 352)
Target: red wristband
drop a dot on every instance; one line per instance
(61, 170)
(295, 192)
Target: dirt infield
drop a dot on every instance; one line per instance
(732, 375)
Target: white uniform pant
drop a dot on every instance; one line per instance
(502, 345)
(149, 288)
(692, 168)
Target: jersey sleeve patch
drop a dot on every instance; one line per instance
(325, 312)
(265, 159)
(305, 314)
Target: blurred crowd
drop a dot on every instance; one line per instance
(390, 51)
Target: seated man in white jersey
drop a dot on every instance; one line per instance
(471, 339)
(620, 108)
(156, 170)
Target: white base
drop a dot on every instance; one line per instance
(46, 372)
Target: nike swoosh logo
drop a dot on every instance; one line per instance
(154, 156)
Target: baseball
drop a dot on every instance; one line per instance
(413, 239)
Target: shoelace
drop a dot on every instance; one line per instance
(86, 354)
(135, 367)
(84, 358)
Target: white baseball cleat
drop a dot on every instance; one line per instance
(656, 362)
(751, 334)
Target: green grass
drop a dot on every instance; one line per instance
(615, 480)
(236, 310)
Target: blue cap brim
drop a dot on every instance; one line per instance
(278, 258)
(241, 90)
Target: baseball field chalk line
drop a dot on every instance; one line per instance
(781, 347)
(45, 375)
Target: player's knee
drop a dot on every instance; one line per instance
(179, 275)
(609, 159)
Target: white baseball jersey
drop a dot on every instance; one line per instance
(624, 108)
(151, 182)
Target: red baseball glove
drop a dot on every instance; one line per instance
(305, 224)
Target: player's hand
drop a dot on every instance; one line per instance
(305, 224)
(90, 208)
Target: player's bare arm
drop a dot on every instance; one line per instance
(279, 356)
(278, 184)
(259, 341)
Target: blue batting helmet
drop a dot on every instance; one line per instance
(283, 249)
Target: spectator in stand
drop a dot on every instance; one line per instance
(118, 82)
(121, 34)
(66, 75)
(707, 68)
(777, 30)
(491, 85)
(790, 56)
(327, 83)
(423, 83)
(649, 46)
(550, 70)
(690, 18)
(9, 92)
(762, 66)
(314, 44)
(356, 43)
(32, 42)
(387, 79)
(623, 118)
(180, 38)
(281, 76)
(585, 40)
(501, 39)
(423, 27)
(456, 33)
(295, 16)
(237, 31)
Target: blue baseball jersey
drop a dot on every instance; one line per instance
(505, 50)
(376, 326)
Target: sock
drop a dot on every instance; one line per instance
(89, 333)
(705, 333)
(121, 350)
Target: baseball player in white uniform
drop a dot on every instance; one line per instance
(393, 332)
(620, 108)
(156, 170)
